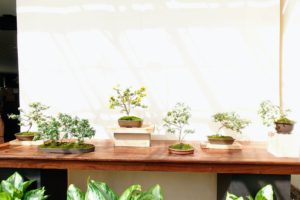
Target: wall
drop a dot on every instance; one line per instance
(213, 55)
(291, 63)
(8, 7)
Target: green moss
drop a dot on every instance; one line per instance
(216, 136)
(181, 146)
(131, 118)
(27, 133)
(66, 145)
(285, 120)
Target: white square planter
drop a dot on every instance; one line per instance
(284, 145)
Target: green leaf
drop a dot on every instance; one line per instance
(265, 193)
(5, 196)
(95, 192)
(126, 195)
(230, 196)
(25, 185)
(37, 194)
(10, 189)
(16, 180)
(74, 193)
(106, 190)
(156, 192)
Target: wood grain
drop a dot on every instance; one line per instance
(253, 159)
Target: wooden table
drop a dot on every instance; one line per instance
(252, 159)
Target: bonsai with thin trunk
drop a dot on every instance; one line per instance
(175, 122)
(33, 116)
(272, 115)
(57, 132)
(228, 120)
(128, 99)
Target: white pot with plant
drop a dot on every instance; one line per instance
(176, 121)
(128, 99)
(32, 117)
(272, 115)
(227, 120)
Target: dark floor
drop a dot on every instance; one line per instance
(295, 193)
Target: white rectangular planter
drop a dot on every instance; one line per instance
(133, 137)
(284, 145)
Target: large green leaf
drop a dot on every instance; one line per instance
(156, 192)
(94, 193)
(128, 193)
(37, 194)
(16, 180)
(25, 185)
(74, 193)
(105, 190)
(5, 196)
(9, 188)
(265, 193)
(230, 196)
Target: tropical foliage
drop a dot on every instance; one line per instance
(265, 193)
(101, 191)
(15, 188)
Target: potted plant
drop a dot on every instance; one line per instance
(175, 122)
(101, 191)
(265, 193)
(33, 116)
(14, 187)
(58, 132)
(127, 99)
(229, 120)
(272, 115)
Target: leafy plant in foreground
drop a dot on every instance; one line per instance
(265, 193)
(101, 191)
(15, 188)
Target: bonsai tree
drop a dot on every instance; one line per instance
(33, 116)
(272, 114)
(229, 120)
(127, 99)
(57, 132)
(175, 122)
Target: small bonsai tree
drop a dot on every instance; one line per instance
(270, 114)
(33, 116)
(230, 120)
(175, 122)
(127, 99)
(56, 129)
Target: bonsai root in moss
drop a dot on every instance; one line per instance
(181, 146)
(216, 136)
(131, 118)
(66, 145)
(27, 133)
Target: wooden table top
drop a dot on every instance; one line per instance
(252, 159)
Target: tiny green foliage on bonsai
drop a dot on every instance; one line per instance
(127, 99)
(34, 115)
(230, 120)
(270, 114)
(176, 120)
(65, 126)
